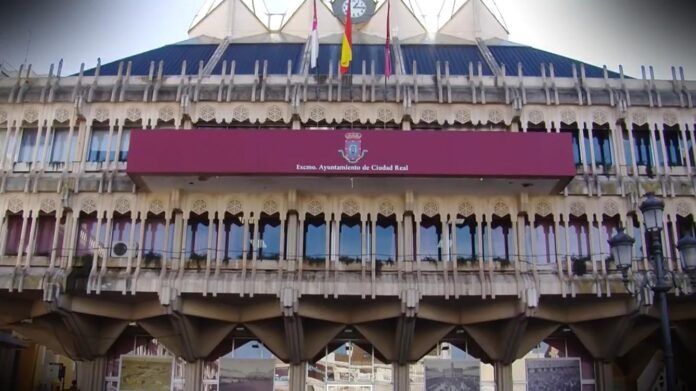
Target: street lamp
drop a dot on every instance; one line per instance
(621, 246)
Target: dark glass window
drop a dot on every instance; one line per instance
(269, 237)
(315, 238)
(673, 145)
(602, 148)
(349, 241)
(545, 240)
(234, 237)
(386, 239)
(641, 139)
(466, 238)
(430, 239)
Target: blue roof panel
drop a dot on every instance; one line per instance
(458, 56)
(245, 55)
(531, 60)
(172, 55)
(330, 55)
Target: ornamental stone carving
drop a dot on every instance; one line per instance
(351, 114)
(89, 205)
(640, 117)
(543, 208)
(495, 116)
(206, 113)
(462, 116)
(274, 113)
(670, 118)
(683, 209)
(122, 206)
(315, 207)
(428, 116)
(234, 207)
(536, 117)
(240, 113)
(431, 208)
(3, 117)
(62, 115)
(317, 113)
(31, 115)
(48, 205)
(599, 117)
(611, 208)
(101, 114)
(568, 117)
(466, 209)
(166, 114)
(270, 207)
(134, 114)
(386, 208)
(577, 208)
(156, 207)
(350, 208)
(199, 207)
(385, 114)
(501, 209)
(15, 205)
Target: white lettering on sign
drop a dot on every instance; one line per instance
(353, 168)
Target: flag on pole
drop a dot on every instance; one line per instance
(314, 40)
(347, 45)
(387, 47)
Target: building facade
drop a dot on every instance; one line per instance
(218, 209)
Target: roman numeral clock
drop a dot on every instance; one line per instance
(360, 10)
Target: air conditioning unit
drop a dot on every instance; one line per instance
(119, 250)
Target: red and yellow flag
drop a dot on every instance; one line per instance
(347, 45)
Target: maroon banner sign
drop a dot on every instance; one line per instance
(351, 153)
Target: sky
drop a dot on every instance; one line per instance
(612, 32)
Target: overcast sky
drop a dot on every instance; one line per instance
(612, 32)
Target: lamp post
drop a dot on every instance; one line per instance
(622, 252)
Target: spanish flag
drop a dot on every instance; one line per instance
(347, 46)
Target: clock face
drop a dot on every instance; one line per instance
(360, 10)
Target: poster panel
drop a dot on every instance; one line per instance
(452, 375)
(246, 374)
(558, 374)
(146, 373)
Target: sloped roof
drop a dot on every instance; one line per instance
(532, 58)
(172, 57)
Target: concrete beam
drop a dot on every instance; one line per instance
(607, 339)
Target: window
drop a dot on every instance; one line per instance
(627, 148)
(674, 147)
(685, 226)
(86, 235)
(26, 147)
(576, 145)
(98, 145)
(120, 231)
(125, 146)
(59, 147)
(269, 237)
(197, 237)
(385, 238)
(466, 238)
(44, 235)
(14, 231)
(602, 148)
(350, 241)
(430, 239)
(501, 229)
(234, 237)
(610, 226)
(314, 238)
(643, 154)
(544, 240)
(578, 237)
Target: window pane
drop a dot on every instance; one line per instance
(269, 238)
(125, 146)
(26, 148)
(349, 241)
(386, 239)
(154, 236)
(14, 231)
(97, 145)
(466, 239)
(315, 239)
(197, 237)
(431, 234)
(234, 234)
(44, 235)
(86, 236)
(59, 146)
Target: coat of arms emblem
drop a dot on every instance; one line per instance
(352, 150)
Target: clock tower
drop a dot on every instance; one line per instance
(361, 10)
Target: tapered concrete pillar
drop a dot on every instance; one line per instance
(298, 376)
(90, 374)
(402, 381)
(193, 376)
(605, 376)
(503, 376)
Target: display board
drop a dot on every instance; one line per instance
(452, 375)
(246, 374)
(558, 374)
(145, 373)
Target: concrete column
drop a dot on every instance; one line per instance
(581, 142)
(663, 148)
(402, 381)
(193, 376)
(604, 376)
(31, 242)
(503, 376)
(632, 149)
(408, 237)
(20, 248)
(90, 374)
(299, 253)
(592, 151)
(298, 376)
